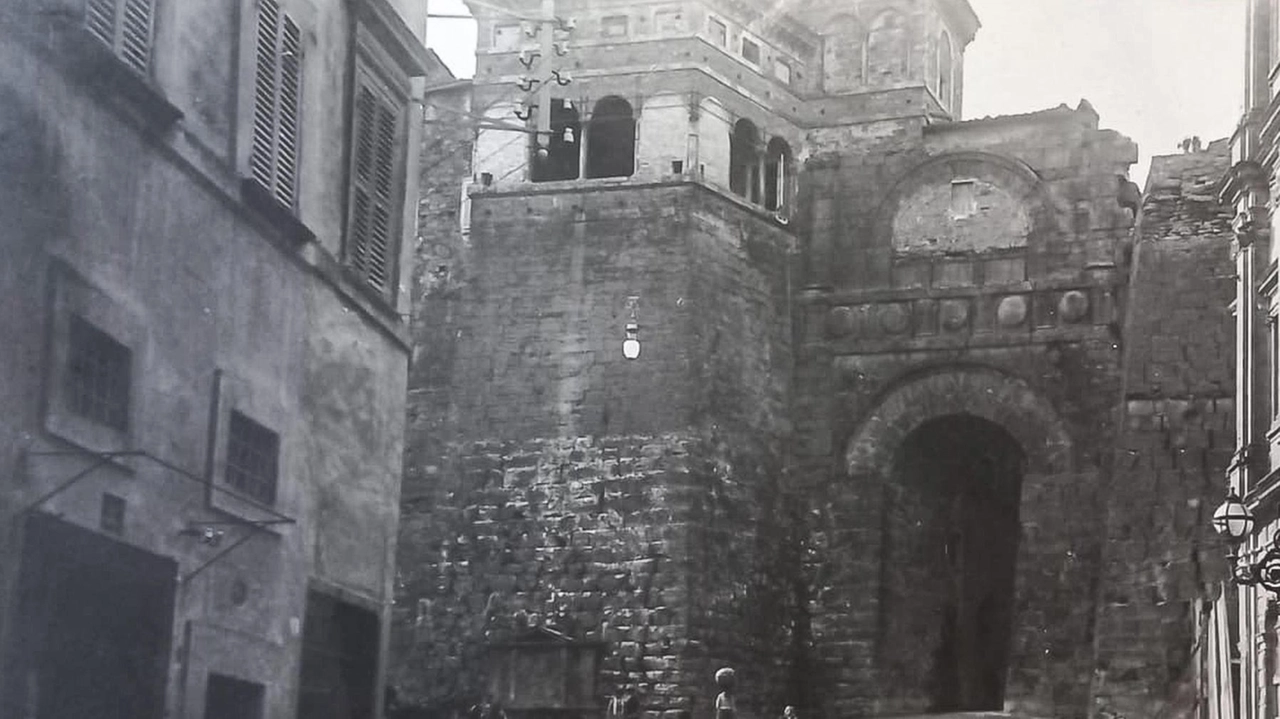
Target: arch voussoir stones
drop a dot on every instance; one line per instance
(982, 392)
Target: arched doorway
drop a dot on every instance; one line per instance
(951, 529)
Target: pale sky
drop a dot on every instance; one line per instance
(1155, 70)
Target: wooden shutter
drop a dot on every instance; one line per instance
(277, 88)
(125, 27)
(373, 188)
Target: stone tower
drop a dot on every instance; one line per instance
(862, 453)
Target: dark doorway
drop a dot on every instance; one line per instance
(958, 482)
(339, 660)
(230, 698)
(92, 633)
(611, 139)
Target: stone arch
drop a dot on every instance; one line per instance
(1000, 398)
(777, 174)
(1017, 178)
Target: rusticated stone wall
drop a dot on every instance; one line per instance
(557, 484)
(1176, 441)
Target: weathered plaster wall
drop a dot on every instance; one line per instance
(664, 129)
(142, 231)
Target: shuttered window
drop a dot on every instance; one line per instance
(277, 87)
(125, 27)
(374, 194)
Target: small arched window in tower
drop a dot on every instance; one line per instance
(611, 139)
(945, 79)
(887, 47)
(560, 159)
(744, 160)
(777, 174)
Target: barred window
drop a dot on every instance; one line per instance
(99, 375)
(374, 194)
(277, 89)
(252, 458)
(125, 27)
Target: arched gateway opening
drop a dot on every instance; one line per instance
(951, 544)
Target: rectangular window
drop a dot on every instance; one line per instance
(253, 453)
(718, 31)
(277, 91)
(782, 71)
(613, 26)
(750, 51)
(668, 22)
(374, 194)
(228, 698)
(125, 27)
(99, 375)
(964, 198)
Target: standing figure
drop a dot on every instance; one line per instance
(724, 701)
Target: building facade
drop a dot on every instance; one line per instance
(205, 210)
(1248, 188)
(744, 348)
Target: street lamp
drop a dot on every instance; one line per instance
(1234, 522)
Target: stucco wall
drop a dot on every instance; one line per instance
(145, 234)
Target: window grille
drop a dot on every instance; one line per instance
(252, 458)
(373, 188)
(125, 27)
(99, 375)
(277, 89)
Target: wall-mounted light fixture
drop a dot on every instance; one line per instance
(1235, 522)
(631, 337)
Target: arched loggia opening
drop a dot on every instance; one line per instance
(611, 139)
(777, 174)
(558, 160)
(744, 160)
(950, 533)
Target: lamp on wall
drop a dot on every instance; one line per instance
(631, 331)
(1233, 520)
